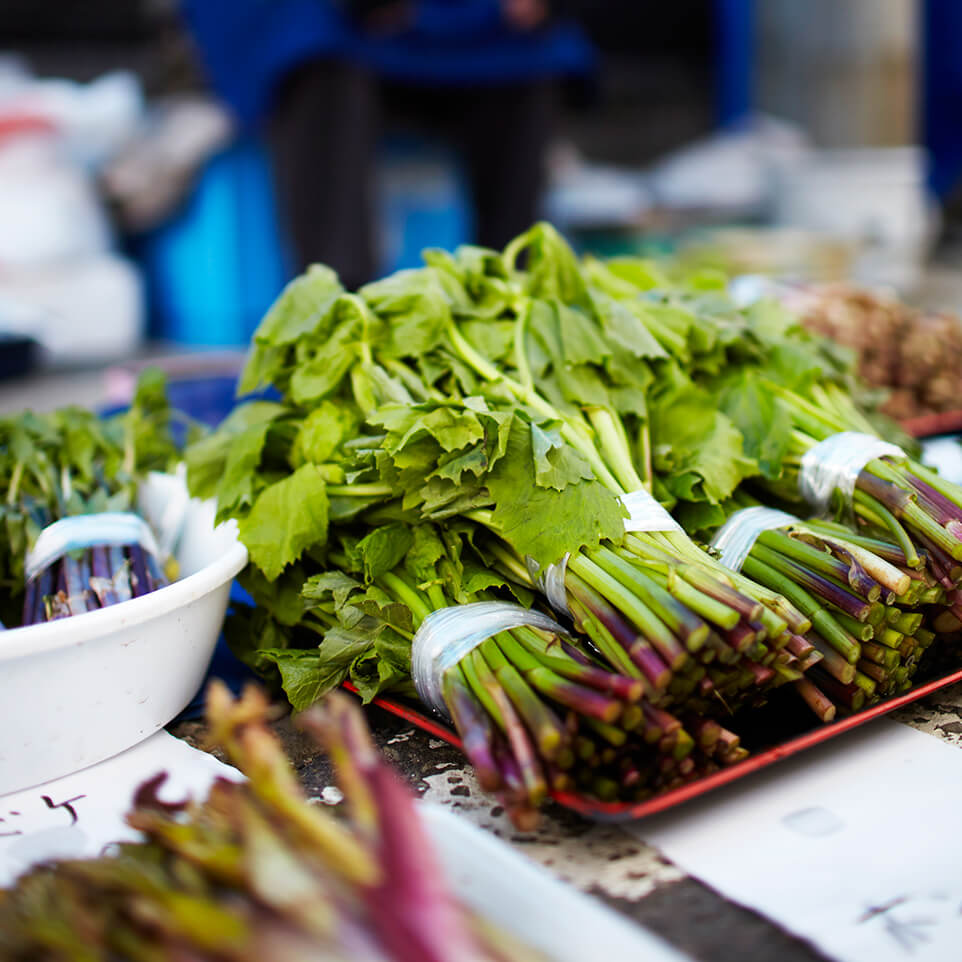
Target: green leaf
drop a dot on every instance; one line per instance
(335, 584)
(581, 343)
(425, 552)
(700, 516)
(453, 430)
(624, 327)
(543, 522)
(206, 458)
(454, 466)
(553, 270)
(695, 447)
(475, 578)
(373, 673)
(416, 307)
(494, 339)
(380, 611)
(295, 313)
(235, 490)
(383, 548)
(556, 463)
(395, 649)
(322, 431)
(302, 302)
(308, 675)
(765, 426)
(641, 274)
(288, 517)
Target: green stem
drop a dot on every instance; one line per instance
(875, 513)
(933, 479)
(407, 594)
(679, 619)
(361, 490)
(614, 447)
(822, 621)
(520, 354)
(630, 605)
(14, 488)
(539, 719)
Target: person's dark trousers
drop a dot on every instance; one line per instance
(504, 133)
(324, 135)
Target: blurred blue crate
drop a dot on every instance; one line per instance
(423, 201)
(215, 268)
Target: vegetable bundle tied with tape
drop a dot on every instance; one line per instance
(864, 603)
(885, 539)
(73, 540)
(406, 470)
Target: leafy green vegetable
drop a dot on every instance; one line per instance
(288, 517)
(71, 462)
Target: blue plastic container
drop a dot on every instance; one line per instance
(215, 268)
(423, 201)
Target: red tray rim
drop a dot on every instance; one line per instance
(628, 811)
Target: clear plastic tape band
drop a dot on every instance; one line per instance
(447, 635)
(646, 514)
(551, 582)
(87, 531)
(835, 463)
(734, 539)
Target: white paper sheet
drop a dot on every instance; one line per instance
(855, 845)
(945, 455)
(81, 814)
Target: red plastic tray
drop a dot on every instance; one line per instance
(759, 759)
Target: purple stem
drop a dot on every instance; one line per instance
(741, 637)
(55, 604)
(139, 582)
(75, 585)
(38, 614)
(102, 580)
(939, 561)
(29, 601)
(941, 508)
(157, 577)
(93, 602)
(638, 648)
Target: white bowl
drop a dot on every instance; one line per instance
(76, 691)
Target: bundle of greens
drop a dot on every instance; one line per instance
(475, 430)
(859, 592)
(402, 457)
(536, 709)
(256, 872)
(785, 391)
(377, 554)
(67, 464)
